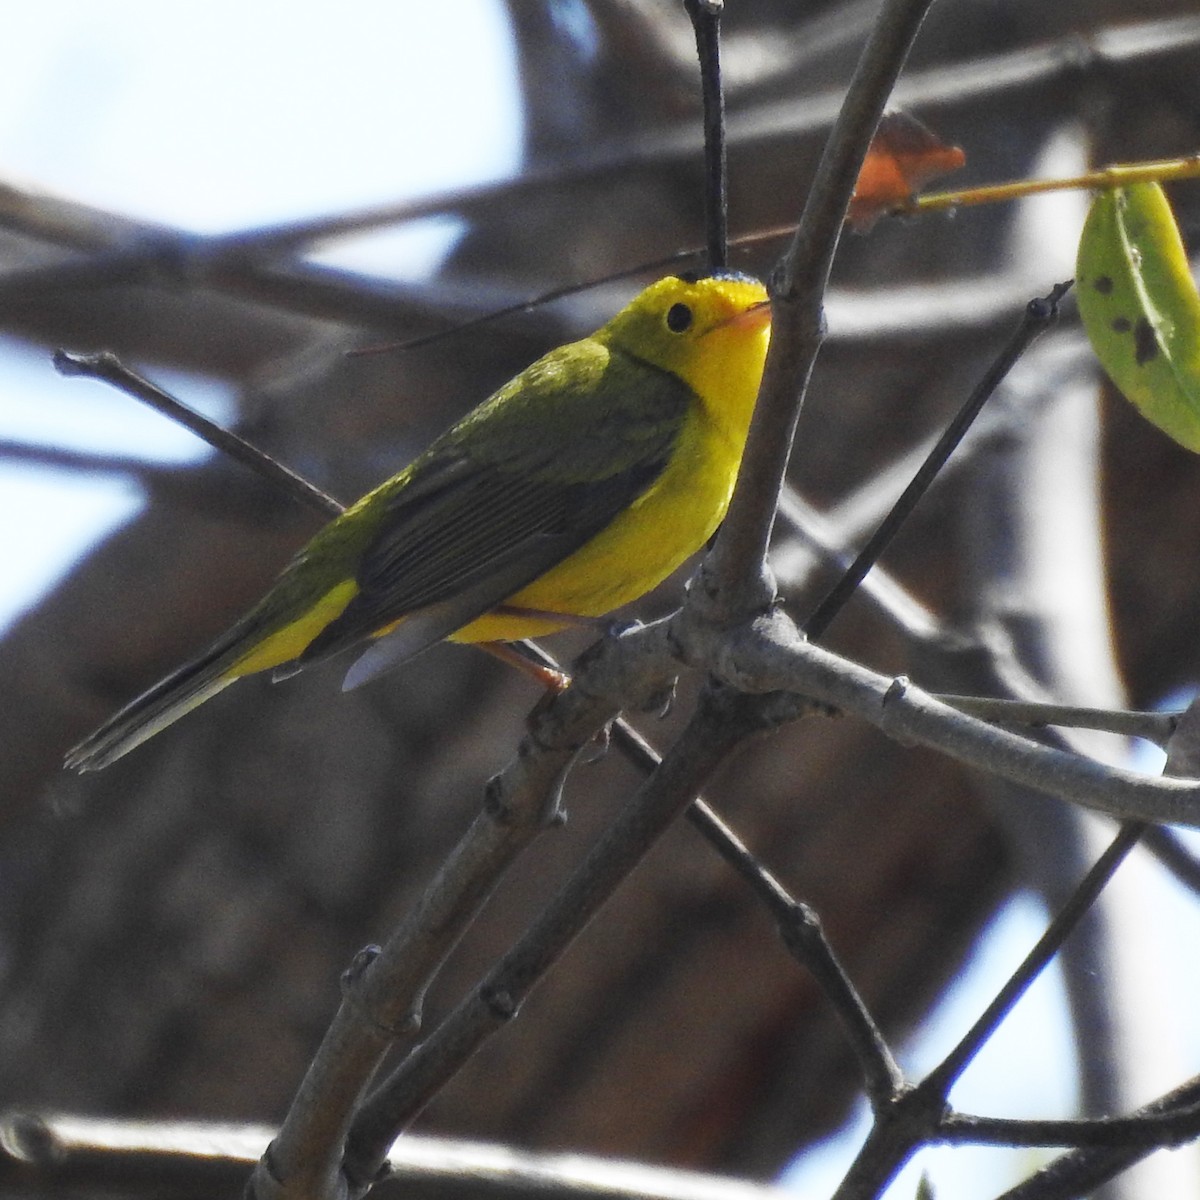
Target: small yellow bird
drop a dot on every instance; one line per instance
(574, 489)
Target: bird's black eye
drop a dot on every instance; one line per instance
(679, 318)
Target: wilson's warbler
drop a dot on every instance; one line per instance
(576, 488)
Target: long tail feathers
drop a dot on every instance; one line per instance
(165, 702)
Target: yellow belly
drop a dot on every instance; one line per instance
(664, 527)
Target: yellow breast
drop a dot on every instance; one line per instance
(664, 527)
(670, 521)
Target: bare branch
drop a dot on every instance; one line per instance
(384, 989)
(1078, 1173)
(721, 722)
(107, 368)
(768, 655)
(737, 565)
(1155, 727)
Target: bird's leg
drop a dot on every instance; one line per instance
(547, 677)
(551, 679)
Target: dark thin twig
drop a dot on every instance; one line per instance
(1081, 1171)
(915, 1116)
(948, 315)
(1039, 315)
(1145, 1131)
(109, 369)
(705, 16)
(798, 924)
(524, 306)
(944, 1076)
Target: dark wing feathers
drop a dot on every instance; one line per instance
(468, 531)
(421, 558)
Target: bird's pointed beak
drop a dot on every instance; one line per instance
(755, 317)
(749, 319)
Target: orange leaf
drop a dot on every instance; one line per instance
(903, 157)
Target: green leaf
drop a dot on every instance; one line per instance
(1140, 307)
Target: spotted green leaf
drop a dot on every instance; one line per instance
(1140, 306)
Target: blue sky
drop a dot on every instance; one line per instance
(215, 117)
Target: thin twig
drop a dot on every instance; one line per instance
(798, 924)
(916, 1116)
(944, 1076)
(815, 542)
(1144, 1131)
(524, 306)
(1116, 176)
(109, 369)
(1080, 1172)
(1156, 727)
(705, 16)
(1039, 315)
